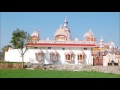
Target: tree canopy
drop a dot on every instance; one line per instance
(19, 38)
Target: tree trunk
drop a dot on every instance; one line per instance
(22, 61)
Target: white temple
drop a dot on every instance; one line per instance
(64, 50)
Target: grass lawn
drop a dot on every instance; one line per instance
(15, 73)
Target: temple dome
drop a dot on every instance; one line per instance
(89, 34)
(35, 34)
(60, 33)
(101, 40)
(63, 33)
(34, 37)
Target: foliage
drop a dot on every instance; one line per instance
(19, 38)
(54, 74)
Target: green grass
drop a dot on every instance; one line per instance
(14, 73)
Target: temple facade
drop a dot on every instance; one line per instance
(64, 50)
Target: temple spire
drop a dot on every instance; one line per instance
(101, 42)
(66, 22)
(38, 33)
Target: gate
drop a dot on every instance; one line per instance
(97, 61)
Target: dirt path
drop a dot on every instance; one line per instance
(105, 69)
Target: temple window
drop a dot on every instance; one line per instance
(39, 56)
(68, 56)
(53, 56)
(80, 55)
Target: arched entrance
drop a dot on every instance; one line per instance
(97, 60)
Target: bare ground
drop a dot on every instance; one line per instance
(105, 69)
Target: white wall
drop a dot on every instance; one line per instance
(14, 55)
(108, 58)
(105, 60)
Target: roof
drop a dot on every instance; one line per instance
(89, 34)
(60, 31)
(59, 45)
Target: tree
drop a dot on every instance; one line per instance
(19, 40)
(18, 36)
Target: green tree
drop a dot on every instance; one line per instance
(19, 39)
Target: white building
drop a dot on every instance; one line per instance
(63, 49)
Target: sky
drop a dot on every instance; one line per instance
(105, 24)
